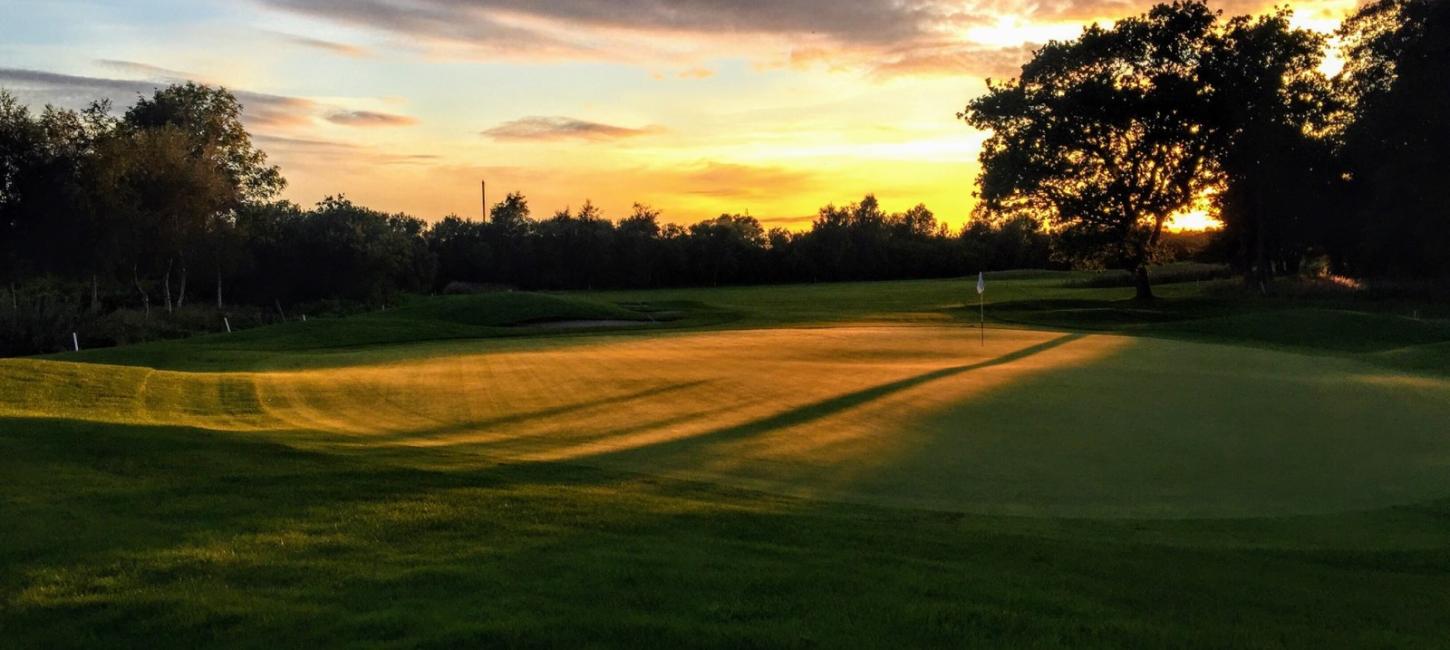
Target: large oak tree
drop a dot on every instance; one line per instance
(1103, 136)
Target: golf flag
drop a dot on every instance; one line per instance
(982, 304)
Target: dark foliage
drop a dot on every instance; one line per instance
(1098, 142)
(1396, 139)
(1104, 136)
(105, 220)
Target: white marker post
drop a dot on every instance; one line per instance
(982, 304)
(75, 341)
(228, 323)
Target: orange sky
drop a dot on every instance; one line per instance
(767, 107)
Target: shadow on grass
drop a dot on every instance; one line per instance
(171, 537)
(1328, 328)
(445, 431)
(828, 407)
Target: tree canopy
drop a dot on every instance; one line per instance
(1103, 135)
(1395, 141)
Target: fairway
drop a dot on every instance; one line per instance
(832, 465)
(1034, 423)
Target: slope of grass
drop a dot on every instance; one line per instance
(166, 537)
(904, 415)
(799, 466)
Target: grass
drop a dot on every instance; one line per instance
(798, 466)
(443, 319)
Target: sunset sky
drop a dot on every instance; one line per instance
(771, 107)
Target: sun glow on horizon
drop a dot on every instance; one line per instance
(1197, 220)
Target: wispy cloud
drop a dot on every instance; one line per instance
(145, 70)
(369, 119)
(333, 153)
(580, 29)
(563, 128)
(74, 91)
(911, 36)
(951, 58)
(872, 20)
(333, 47)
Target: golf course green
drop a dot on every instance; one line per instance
(796, 466)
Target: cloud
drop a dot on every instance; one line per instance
(321, 147)
(342, 49)
(145, 70)
(1088, 10)
(73, 91)
(859, 20)
(369, 119)
(563, 128)
(839, 36)
(641, 31)
(956, 59)
(332, 154)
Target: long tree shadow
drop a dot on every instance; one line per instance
(831, 406)
(455, 428)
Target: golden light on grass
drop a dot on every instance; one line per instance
(567, 401)
(787, 406)
(919, 415)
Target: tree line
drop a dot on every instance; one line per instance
(1094, 146)
(170, 203)
(169, 208)
(1106, 136)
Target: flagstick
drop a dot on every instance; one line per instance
(982, 303)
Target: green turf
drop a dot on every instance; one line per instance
(322, 341)
(1234, 474)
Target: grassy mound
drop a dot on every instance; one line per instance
(165, 537)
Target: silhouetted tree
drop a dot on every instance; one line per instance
(723, 248)
(1270, 107)
(1397, 53)
(1102, 136)
(637, 246)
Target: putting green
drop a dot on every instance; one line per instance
(1033, 423)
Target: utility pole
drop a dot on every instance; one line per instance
(483, 192)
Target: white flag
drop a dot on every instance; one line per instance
(981, 283)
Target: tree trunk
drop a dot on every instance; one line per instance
(1140, 282)
(145, 297)
(1144, 254)
(166, 285)
(181, 295)
(95, 294)
(219, 289)
(1263, 271)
